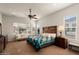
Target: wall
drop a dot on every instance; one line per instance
(57, 18)
(7, 25)
(0, 18)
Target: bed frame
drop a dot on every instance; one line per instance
(48, 29)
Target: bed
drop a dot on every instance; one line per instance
(42, 40)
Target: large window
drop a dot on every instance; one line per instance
(19, 28)
(70, 27)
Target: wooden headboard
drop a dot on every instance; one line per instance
(50, 29)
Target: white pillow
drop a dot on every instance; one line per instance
(52, 35)
(45, 34)
(49, 35)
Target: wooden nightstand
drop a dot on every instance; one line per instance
(61, 42)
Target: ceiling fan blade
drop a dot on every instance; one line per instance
(34, 15)
(35, 18)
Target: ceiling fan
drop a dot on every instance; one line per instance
(31, 16)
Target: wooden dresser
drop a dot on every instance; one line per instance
(61, 42)
(2, 43)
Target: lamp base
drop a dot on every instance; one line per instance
(60, 34)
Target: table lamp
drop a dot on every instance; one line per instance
(60, 29)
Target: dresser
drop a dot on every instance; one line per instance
(61, 42)
(2, 43)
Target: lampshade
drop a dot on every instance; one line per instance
(61, 28)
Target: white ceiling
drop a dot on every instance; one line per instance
(40, 9)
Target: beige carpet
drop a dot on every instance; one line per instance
(23, 48)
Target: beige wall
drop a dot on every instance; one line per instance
(57, 18)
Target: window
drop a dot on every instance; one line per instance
(70, 27)
(19, 28)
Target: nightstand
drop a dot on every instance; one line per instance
(61, 42)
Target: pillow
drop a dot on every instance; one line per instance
(49, 35)
(45, 34)
(52, 35)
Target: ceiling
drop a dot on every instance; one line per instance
(40, 9)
